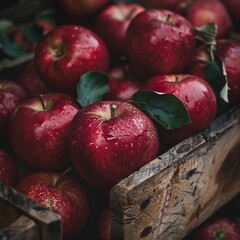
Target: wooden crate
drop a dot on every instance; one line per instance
(177, 191)
(23, 219)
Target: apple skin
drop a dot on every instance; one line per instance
(159, 46)
(205, 11)
(62, 194)
(8, 171)
(44, 131)
(233, 7)
(112, 24)
(229, 52)
(178, 6)
(11, 95)
(66, 53)
(31, 81)
(103, 231)
(101, 143)
(215, 226)
(82, 9)
(123, 84)
(196, 95)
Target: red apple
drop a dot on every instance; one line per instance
(82, 9)
(66, 53)
(196, 95)
(112, 24)
(62, 194)
(39, 129)
(109, 140)
(159, 41)
(233, 7)
(11, 95)
(219, 228)
(229, 52)
(8, 172)
(104, 225)
(178, 6)
(123, 84)
(205, 11)
(31, 81)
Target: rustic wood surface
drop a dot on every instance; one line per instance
(8, 214)
(177, 191)
(48, 222)
(23, 228)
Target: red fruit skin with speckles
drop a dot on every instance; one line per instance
(31, 81)
(123, 84)
(208, 230)
(112, 25)
(106, 149)
(38, 136)
(79, 51)
(103, 231)
(62, 194)
(196, 95)
(229, 52)
(202, 12)
(156, 46)
(8, 172)
(11, 95)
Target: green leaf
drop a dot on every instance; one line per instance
(91, 87)
(207, 33)
(33, 33)
(48, 15)
(216, 76)
(10, 48)
(165, 109)
(6, 26)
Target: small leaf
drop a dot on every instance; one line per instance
(33, 33)
(216, 76)
(165, 109)
(10, 48)
(91, 87)
(207, 33)
(6, 26)
(48, 15)
(3, 63)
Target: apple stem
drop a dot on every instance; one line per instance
(58, 52)
(113, 110)
(42, 101)
(168, 18)
(177, 79)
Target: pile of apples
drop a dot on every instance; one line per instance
(109, 91)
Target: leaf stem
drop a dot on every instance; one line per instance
(42, 102)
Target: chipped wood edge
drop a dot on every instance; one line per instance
(48, 221)
(132, 194)
(23, 228)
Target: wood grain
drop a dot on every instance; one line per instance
(22, 229)
(49, 223)
(177, 191)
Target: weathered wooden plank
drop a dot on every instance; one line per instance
(23, 228)
(177, 191)
(49, 223)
